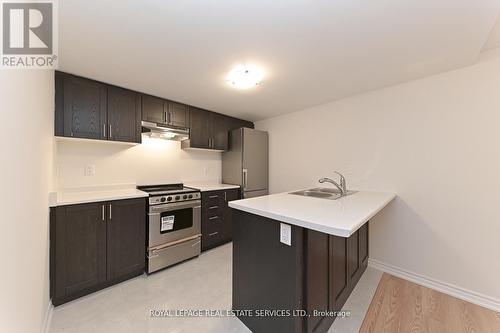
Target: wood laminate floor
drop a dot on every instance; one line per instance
(402, 306)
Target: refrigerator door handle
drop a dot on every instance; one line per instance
(245, 178)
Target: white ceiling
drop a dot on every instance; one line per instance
(312, 51)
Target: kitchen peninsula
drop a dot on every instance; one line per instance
(293, 252)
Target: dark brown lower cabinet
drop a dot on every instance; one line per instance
(125, 238)
(316, 274)
(95, 245)
(216, 217)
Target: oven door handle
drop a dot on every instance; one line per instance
(173, 206)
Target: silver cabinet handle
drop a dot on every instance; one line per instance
(213, 218)
(103, 213)
(213, 207)
(213, 196)
(110, 212)
(104, 130)
(110, 132)
(225, 196)
(213, 233)
(245, 178)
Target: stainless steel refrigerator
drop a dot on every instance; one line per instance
(247, 162)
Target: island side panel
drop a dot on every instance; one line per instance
(333, 267)
(267, 274)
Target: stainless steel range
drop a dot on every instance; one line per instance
(174, 225)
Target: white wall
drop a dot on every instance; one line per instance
(26, 147)
(436, 143)
(155, 161)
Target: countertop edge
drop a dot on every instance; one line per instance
(342, 232)
(211, 187)
(98, 198)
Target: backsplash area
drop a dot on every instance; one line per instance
(152, 162)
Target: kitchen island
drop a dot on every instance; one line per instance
(299, 258)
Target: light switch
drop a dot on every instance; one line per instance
(90, 170)
(286, 234)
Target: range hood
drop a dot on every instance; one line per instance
(163, 131)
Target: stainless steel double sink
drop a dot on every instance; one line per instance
(323, 193)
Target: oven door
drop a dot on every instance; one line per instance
(174, 221)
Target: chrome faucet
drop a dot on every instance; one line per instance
(342, 186)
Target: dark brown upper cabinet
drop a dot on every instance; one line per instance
(210, 130)
(81, 109)
(157, 110)
(94, 110)
(220, 131)
(178, 114)
(89, 109)
(200, 129)
(153, 109)
(124, 115)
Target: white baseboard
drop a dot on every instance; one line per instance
(48, 318)
(446, 288)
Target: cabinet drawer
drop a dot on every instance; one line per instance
(213, 223)
(211, 238)
(213, 198)
(210, 211)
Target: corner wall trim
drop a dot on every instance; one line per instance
(48, 318)
(446, 288)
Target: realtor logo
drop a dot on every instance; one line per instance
(28, 34)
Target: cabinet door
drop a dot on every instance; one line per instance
(339, 272)
(220, 131)
(200, 128)
(80, 248)
(84, 104)
(358, 254)
(154, 109)
(233, 194)
(126, 244)
(178, 114)
(124, 115)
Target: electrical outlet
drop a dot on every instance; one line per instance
(90, 170)
(286, 234)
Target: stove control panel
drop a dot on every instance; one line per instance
(157, 200)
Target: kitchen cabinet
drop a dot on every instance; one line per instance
(95, 245)
(200, 129)
(81, 110)
(216, 217)
(89, 109)
(210, 130)
(153, 109)
(125, 237)
(158, 110)
(124, 115)
(317, 271)
(334, 264)
(178, 114)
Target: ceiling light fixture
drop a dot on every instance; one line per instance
(245, 76)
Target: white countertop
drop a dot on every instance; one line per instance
(204, 187)
(341, 217)
(94, 194)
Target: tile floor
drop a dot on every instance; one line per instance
(201, 283)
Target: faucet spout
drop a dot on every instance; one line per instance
(334, 183)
